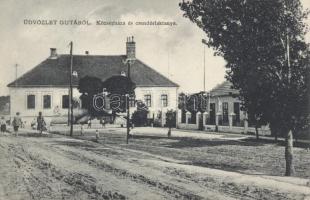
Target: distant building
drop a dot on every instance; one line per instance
(223, 113)
(4, 105)
(225, 107)
(45, 87)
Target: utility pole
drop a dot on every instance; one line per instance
(168, 63)
(71, 91)
(16, 66)
(204, 64)
(130, 47)
(127, 102)
(288, 55)
(204, 68)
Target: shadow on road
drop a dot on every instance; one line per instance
(185, 142)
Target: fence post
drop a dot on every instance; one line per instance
(178, 118)
(246, 124)
(218, 114)
(230, 119)
(198, 115)
(204, 118)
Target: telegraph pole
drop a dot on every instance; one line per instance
(204, 68)
(204, 64)
(16, 66)
(127, 104)
(168, 63)
(130, 46)
(288, 55)
(71, 90)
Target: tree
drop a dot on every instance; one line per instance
(139, 117)
(197, 102)
(4, 105)
(267, 58)
(193, 102)
(116, 89)
(89, 87)
(119, 85)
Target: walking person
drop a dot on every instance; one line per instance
(3, 125)
(34, 124)
(97, 135)
(40, 123)
(17, 122)
(89, 123)
(102, 122)
(82, 129)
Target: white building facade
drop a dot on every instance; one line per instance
(45, 88)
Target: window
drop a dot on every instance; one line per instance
(132, 102)
(148, 100)
(225, 113)
(65, 101)
(237, 112)
(46, 101)
(164, 100)
(31, 101)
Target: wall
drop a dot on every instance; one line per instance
(219, 100)
(19, 100)
(156, 93)
(230, 101)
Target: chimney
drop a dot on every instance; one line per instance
(53, 53)
(131, 48)
(86, 52)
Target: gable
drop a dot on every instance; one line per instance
(224, 89)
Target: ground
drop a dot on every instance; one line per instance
(187, 166)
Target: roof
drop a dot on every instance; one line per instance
(55, 72)
(224, 89)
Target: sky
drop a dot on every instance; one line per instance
(175, 51)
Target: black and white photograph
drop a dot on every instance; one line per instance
(151, 100)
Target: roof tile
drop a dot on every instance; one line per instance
(55, 72)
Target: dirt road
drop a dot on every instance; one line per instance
(58, 167)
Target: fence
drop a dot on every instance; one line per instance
(202, 121)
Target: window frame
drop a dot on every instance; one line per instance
(148, 100)
(50, 101)
(164, 101)
(225, 112)
(237, 115)
(62, 101)
(132, 101)
(27, 102)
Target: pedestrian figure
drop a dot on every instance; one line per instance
(3, 125)
(33, 124)
(170, 120)
(102, 123)
(97, 135)
(40, 123)
(17, 122)
(89, 123)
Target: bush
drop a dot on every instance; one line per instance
(139, 118)
(171, 118)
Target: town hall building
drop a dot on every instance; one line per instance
(45, 88)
